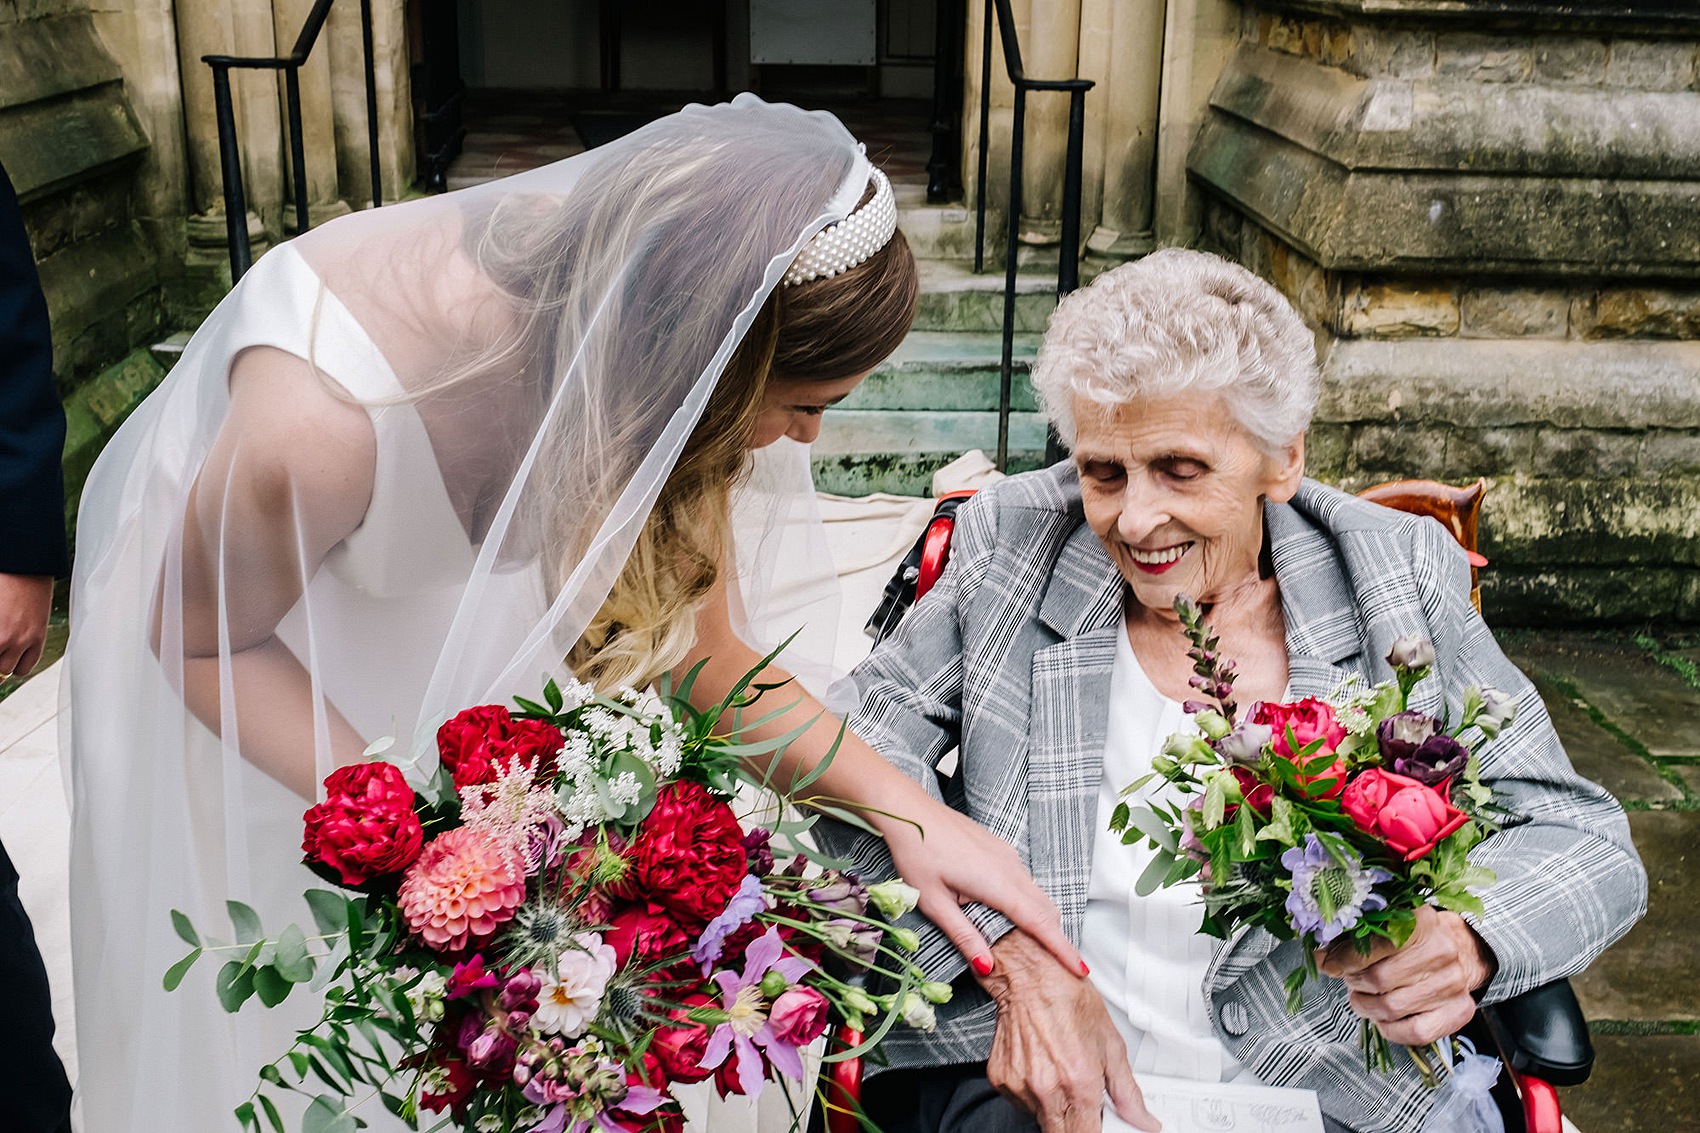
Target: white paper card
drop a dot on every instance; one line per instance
(1217, 1107)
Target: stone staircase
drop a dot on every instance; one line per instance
(938, 395)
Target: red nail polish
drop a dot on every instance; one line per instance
(1084, 970)
(982, 965)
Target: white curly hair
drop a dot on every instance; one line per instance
(1181, 320)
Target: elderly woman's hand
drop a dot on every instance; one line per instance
(954, 861)
(1422, 992)
(1056, 1052)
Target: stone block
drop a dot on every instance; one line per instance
(94, 412)
(1484, 58)
(1596, 522)
(1400, 310)
(1327, 451)
(1571, 61)
(1304, 284)
(1339, 45)
(1582, 453)
(1514, 312)
(1567, 594)
(1394, 53)
(1666, 451)
(1637, 312)
(1597, 755)
(1472, 452)
(45, 58)
(1395, 452)
(1637, 64)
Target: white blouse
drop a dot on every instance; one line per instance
(1147, 956)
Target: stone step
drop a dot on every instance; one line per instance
(953, 298)
(941, 370)
(933, 400)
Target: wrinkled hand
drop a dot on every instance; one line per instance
(1422, 992)
(1056, 1053)
(25, 602)
(954, 861)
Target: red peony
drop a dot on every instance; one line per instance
(688, 856)
(366, 827)
(481, 743)
(679, 1044)
(1308, 720)
(1255, 791)
(646, 930)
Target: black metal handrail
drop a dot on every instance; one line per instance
(230, 154)
(1068, 262)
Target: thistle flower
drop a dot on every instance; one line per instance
(535, 936)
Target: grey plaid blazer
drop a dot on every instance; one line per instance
(1008, 659)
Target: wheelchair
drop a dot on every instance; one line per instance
(1540, 1036)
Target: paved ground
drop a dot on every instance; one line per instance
(1628, 709)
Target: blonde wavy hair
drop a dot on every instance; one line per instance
(827, 330)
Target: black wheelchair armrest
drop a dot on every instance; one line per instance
(1542, 1033)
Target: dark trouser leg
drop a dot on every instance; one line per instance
(34, 1095)
(944, 1099)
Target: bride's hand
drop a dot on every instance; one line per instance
(954, 861)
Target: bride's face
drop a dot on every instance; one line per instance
(793, 408)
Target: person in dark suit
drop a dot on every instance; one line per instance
(35, 1096)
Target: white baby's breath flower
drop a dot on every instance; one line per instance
(625, 788)
(602, 724)
(670, 754)
(1355, 720)
(576, 694)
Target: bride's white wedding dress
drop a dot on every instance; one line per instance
(405, 620)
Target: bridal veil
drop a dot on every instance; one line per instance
(489, 389)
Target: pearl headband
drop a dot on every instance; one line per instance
(853, 240)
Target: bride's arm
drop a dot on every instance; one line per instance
(949, 857)
(288, 477)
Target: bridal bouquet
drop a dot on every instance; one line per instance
(569, 921)
(1318, 820)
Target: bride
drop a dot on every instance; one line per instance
(422, 457)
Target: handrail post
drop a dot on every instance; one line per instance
(297, 146)
(1011, 253)
(985, 141)
(230, 165)
(1068, 264)
(371, 102)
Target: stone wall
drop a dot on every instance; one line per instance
(1493, 222)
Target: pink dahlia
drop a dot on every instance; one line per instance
(464, 885)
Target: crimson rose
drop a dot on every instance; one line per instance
(366, 827)
(679, 1044)
(1308, 720)
(688, 855)
(481, 743)
(646, 930)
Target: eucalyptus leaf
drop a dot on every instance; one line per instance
(271, 987)
(330, 910)
(245, 1114)
(1155, 873)
(1146, 821)
(235, 984)
(378, 747)
(326, 1115)
(174, 974)
(245, 921)
(185, 929)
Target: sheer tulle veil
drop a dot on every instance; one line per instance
(529, 357)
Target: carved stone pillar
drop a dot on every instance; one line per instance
(1050, 46)
(1127, 111)
(317, 126)
(395, 105)
(232, 27)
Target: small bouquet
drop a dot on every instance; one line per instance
(566, 923)
(1317, 820)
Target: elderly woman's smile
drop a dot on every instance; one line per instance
(1174, 487)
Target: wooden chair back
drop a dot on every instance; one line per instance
(1457, 509)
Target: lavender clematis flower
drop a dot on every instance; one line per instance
(1402, 733)
(744, 905)
(748, 1027)
(1435, 761)
(1328, 898)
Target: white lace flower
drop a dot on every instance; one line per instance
(669, 755)
(568, 1004)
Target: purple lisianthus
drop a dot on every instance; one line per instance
(1328, 898)
(1411, 651)
(1498, 710)
(1244, 745)
(840, 892)
(1435, 761)
(856, 942)
(1401, 734)
(743, 906)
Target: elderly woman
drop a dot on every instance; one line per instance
(1050, 656)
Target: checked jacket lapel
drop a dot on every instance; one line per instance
(1069, 723)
